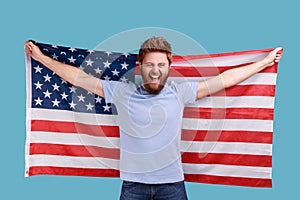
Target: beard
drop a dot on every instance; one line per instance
(152, 89)
(154, 86)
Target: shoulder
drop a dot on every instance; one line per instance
(107, 83)
(185, 85)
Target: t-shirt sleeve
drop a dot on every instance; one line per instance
(187, 91)
(114, 90)
(108, 89)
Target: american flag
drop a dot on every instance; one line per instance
(226, 137)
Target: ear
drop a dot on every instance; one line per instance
(139, 66)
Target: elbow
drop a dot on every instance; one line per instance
(78, 78)
(228, 81)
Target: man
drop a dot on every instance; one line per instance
(150, 115)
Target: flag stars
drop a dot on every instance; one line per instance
(88, 92)
(38, 85)
(126, 54)
(107, 78)
(55, 103)
(72, 49)
(89, 62)
(108, 53)
(38, 101)
(54, 56)
(115, 72)
(47, 78)
(72, 89)
(81, 67)
(123, 79)
(55, 87)
(63, 81)
(124, 65)
(106, 64)
(89, 106)
(90, 51)
(72, 105)
(47, 94)
(106, 108)
(81, 98)
(98, 99)
(72, 60)
(38, 69)
(63, 53)
(64, 96)
(98, 70)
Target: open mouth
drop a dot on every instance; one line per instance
(154, 78)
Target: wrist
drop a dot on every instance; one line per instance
(262, 64)
(44, 59)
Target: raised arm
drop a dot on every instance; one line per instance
(73, 75)
(234, 76)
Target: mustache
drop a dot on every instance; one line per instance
(152, 90)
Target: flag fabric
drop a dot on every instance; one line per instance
(226, 137)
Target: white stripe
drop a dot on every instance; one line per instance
(235, 102)
(228, 170)
(226, 147)
(67, 161)
(106, 163)
(28, 113)
(74, 139)
(257, 79)
(70, 116)
(227, 124)
(188, 123)
(223, 61)
(186, 146)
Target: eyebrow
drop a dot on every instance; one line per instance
(157, 63)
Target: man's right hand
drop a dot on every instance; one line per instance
(33, 50)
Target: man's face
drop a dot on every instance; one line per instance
(155, 71)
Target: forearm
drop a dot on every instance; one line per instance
(67, 72)
(235, 76)
(227, 79)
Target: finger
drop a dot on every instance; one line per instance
(27, 51)
(28, 46)
(279, 50)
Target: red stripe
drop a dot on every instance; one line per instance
(226, 180)
(248, 90)
(69, 171)
(201, 56)
(188, 135)
(229, 113)
(227, 136)
(74, 127)
(74, 150)
(202, 71)
(187, 157)
(227, 159)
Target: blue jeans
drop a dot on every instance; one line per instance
(140, 191)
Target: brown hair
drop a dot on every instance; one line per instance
(155, 44)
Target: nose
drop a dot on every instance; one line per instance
(155, 69)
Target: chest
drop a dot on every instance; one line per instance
(155, 110)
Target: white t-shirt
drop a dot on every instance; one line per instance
(150, 129)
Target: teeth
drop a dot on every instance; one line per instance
(152, 76)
